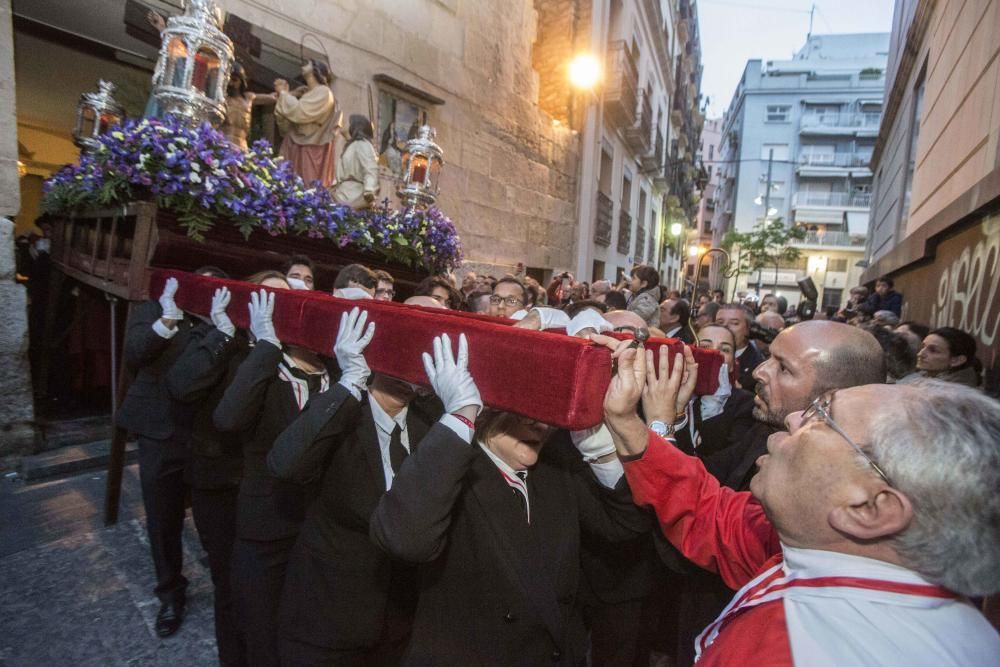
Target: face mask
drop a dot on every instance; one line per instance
(295, 283)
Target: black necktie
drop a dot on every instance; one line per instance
(521, 497)
(396, 450)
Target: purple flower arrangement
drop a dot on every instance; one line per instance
(195, 173)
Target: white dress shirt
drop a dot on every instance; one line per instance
(384, 426)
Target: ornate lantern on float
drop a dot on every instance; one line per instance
(195, 61)
(95, 114)
(422, 164)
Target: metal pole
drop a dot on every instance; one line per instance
(767, 206)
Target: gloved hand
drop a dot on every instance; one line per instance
(352, 339)
(711, 406)
(593, 443)
(450, 377)
(261, 312)
(170, 309)
(220, 300)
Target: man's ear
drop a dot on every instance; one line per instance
(958, 360)
(886, 513)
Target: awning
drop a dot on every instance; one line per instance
(857, 222)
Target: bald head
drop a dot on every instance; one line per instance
(810, 358)
(625, 318)
(424, 301)
(771, 320)
(847, 356)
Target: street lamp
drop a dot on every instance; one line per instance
(584, 71)
(585, 75)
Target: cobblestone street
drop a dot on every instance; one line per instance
(77, 593)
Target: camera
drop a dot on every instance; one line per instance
(762, 333)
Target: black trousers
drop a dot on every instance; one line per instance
(161, 474)
(300, 654)
(214, 513)
(258, 578)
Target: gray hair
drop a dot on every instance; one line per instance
(940, 446)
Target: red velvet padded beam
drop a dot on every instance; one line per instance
(550, 377)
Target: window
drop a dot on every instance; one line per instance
(777, 113)
(911, 160)
(831, 298)
(398, 120)
(780, 151)
(711, 153)
(838, 265)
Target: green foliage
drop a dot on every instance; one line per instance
(765, 245)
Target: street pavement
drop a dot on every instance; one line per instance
(73, 592)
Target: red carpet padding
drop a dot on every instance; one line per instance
(550, 377)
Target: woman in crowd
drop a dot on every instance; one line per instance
(269, 389)
(645, 288)
(949, 354)
(495, 508)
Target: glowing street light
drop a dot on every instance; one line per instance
(584, 71)
(676, 228)
(694, 250)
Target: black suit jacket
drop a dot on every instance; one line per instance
(495, 590)
(257, 406)
(199, 379)
(339, 582)
(148, 409)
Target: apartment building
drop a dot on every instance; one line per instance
(797, 139)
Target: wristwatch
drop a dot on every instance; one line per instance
(661, 429)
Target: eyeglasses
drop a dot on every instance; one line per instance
(385, 292)
(496, 300)
(820, 409)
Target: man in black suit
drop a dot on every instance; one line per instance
(495, 525)
(155, 336)
(737, 319)
(269, 389)
(674, 319)
(198, 379)
(346, 602)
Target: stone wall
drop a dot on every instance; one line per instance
(509, 181)
(16, 401)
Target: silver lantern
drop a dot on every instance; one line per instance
(195, 61)
(422, 164)
(95, 114)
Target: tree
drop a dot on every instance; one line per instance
(766, 245)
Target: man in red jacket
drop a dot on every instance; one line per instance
(868, 523)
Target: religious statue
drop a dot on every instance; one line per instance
(239, 106)
(357, 169)
(309, 123)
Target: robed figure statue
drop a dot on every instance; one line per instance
(309, 124)
(357, 169)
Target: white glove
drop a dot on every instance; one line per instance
(220, 300)
(352, 339)
(170, 309)
(450, 378)
(261, 313)
(711, 406)
(593, 443)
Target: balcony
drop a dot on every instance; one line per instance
(838, 200)
(831, 123)
(834, 164)
(624, 232)
(621, 94)
(653, 160)
(832, 239)
(639, 136)
(602, 228)
(640, 242)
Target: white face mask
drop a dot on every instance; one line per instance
(43, 245)
(295, 283)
